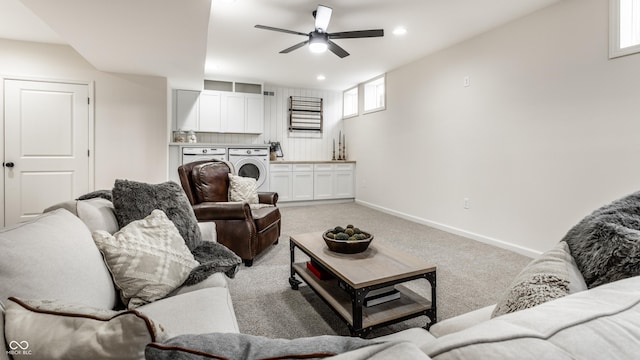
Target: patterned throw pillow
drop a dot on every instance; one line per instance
(58, 330)
(544, 279)
(243, 189)
(147, 258)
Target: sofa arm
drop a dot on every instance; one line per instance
(461, 322)
(209, 211)
(268, 198)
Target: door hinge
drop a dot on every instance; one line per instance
(88, 101)
(88, 153)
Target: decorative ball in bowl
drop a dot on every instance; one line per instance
(347, 240)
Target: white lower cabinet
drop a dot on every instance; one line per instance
(323, 181)
(302, 176)
(344, 181)
(307, 181)
(281, 181)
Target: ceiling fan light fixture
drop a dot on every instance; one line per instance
(318, 43)
(318, 47)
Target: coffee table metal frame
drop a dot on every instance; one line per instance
(347, 301)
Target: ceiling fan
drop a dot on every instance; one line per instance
(319, 40)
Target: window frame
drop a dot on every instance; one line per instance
(357, 103)
(614, 33)
(382, 77)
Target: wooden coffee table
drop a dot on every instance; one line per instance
(356, 274)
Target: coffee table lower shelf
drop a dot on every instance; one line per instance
(409, 305)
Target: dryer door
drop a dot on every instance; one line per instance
(252, 167)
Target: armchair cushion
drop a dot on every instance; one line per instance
(243, 189)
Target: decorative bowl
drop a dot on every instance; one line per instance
(348, 246)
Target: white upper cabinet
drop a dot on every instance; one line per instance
(211, 111)
(254, 105)
(187, 104)
(233, 113)
(237, 109)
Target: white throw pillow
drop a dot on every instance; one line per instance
(148, 258)
(50, 329)
(243, 189)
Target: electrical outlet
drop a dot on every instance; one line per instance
(467, 203)
(467, 81)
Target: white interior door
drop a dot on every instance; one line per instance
(46, 146)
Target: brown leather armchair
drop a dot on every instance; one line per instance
(247, 232)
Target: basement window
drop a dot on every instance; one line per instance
(624, 27)
(374, 95)
(350, 103)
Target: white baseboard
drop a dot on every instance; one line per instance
(314, 202)
(450, 229)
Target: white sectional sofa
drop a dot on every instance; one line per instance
(54, 257)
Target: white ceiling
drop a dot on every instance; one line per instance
(170, 38)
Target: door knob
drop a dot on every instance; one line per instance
(9, 164)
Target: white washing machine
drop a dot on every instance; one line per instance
(252, 162)
(191, 154)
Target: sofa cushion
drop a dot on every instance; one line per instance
(58, 330)
(461, 322)
(135, 201)
(543, 279)
(606, 243)
(243, 189)
(96, 213)
(195, 312)
(54, 257)
(147, 258)
(242, 346)
(398, 350)
(3, 344)
(603, 322)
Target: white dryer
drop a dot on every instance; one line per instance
(191, 154)
(252, 162)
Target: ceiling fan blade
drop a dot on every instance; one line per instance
(294, 47)
(357, 34)
(322, 15)
(337, 49)
(280, 30)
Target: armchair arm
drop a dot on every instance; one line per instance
(208, 211)
(268, 198)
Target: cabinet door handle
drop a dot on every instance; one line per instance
(9, 164)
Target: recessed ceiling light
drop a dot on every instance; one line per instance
(400, 30)
(320, 77)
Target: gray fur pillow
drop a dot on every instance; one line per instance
(606, 244)
(136, 200)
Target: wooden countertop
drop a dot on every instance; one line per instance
(312, 162)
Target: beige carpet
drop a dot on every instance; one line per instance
(470, 274)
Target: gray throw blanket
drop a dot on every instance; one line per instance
(213, 257)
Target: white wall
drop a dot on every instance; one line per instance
(298, 146)
(130, 111)
(547, 132)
